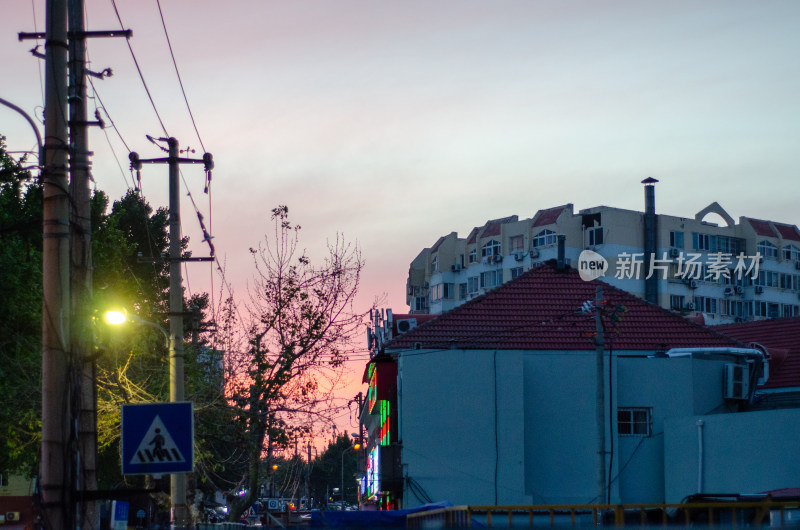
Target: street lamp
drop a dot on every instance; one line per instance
(355, 447)
(117, 318)
(177, 481)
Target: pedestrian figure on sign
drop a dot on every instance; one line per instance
(158, 443)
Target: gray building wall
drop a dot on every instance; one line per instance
(749, 452)
(513, 427)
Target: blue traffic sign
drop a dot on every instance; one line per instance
(157, 438)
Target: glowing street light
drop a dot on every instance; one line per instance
(355, 447)
(118, 318)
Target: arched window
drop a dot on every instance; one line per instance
(767, 249)
(492, 248)
(544, 238)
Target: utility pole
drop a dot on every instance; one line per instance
(54, 468)
(181, 517)
(81, 273)
(600, 398)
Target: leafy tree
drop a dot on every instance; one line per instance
(326, 471)
(300, 328)
(20, 316)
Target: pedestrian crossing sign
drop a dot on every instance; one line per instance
(157, 438)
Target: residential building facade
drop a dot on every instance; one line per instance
(723, 273)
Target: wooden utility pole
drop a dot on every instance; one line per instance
(54, 467)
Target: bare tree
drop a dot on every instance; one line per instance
(301, 327)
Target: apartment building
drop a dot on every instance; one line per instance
(716, 272)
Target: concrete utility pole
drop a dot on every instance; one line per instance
(81, 273)
(600, 398)
(54, 468)
(181, 518)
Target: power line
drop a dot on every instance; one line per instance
(177, 72)
(138, 69)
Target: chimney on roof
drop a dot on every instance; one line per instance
(650, 243)
(561, 262)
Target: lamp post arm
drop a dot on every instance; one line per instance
(163, 331)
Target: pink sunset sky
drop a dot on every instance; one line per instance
(395, 122)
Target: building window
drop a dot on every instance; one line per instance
(595, 235)
(515, 244)
(473, 255)
(676, 239)
(435, 263)
(677, 302)
(634, 421)
(544, 238)
(492, 248)
(767, 249)
(516, 272)
(472, 285)
(791, 253)
(420, 303)
(462, 291)
(441, 290)
(705, 304)
(491, 279)
(3, 478)
(701, 241)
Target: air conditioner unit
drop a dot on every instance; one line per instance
(728, 291)
(519, 255)
(693, 284)
(404, 325)
(759, 289)
(690, 306)
(457, 267)
(534, 253)
(738, 289)
(736, 381)
(12, 516)
(674, 253)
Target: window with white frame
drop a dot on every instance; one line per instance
(544, 238)
(462, 291)
(791, 252)
(435, 263)
(634, 421)
(516, 272)
(702, 241)
(491, 279)
(767, 249)
(473, 255)
(420, 303)
(492, 248)
(472, 285)
(595, 235)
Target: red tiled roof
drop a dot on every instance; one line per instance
(762, 228)
(789, 232)
(781, 337)
(492, 229)
(547, 217)
(540, 311)
(473, 236)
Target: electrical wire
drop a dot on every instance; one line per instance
(139, 70)
(177, 72)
